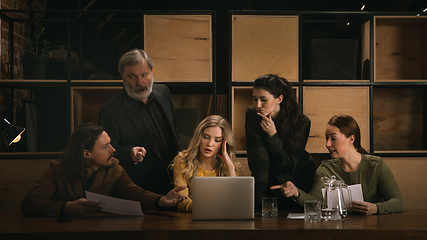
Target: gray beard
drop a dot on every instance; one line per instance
(137, 96)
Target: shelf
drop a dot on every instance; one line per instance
(399, 49)
(86, 102)
(182, 45)
(31, 83)
(398, 119)
(264, 44)
(336, 81)
(335, 46)
(322, 103)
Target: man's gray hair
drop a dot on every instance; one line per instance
(133, 57)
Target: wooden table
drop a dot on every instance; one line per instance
(411, 224)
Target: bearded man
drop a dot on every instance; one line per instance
(140, 120)
(87, 164)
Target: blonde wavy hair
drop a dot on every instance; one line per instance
(188, 159)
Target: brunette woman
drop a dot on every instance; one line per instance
(351, 164)
(276, 136)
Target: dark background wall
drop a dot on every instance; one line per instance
(222, 23)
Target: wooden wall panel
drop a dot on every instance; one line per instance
(264, 44)
(408, 172)
(397, 53)
(245, 171)
(411, 177)
(17, 177)
(398, 119)
(366, 50)
(241, 100)
(321, 103)
(424, 51)
(180, 46)
(190, 110)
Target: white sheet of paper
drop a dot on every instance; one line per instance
(115, 205)
(356, 195)
(296, 215)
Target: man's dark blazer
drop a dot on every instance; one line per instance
(123, 121)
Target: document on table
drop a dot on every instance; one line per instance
(115, 205)
(356, 195)
(296, 215)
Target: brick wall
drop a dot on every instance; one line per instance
(22, 31)
(11, 100)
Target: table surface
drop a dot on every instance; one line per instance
(166, 225)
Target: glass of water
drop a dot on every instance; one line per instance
(312, 211)
(269, 207)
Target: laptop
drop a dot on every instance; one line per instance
(223, 198)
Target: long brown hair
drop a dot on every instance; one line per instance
(348, 126)
(83, 138)
(288, 121)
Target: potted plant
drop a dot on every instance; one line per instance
(34, 59)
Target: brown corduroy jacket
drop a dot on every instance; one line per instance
(54, 189)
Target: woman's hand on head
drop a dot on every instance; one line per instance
(364, 208)
(267, 124)
(288, 189)
(225, 158)
(222, 153)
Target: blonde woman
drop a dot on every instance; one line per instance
(211, 153)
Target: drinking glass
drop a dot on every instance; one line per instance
(269, 207)
(312, 211)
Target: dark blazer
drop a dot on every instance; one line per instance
(54, 189)
(124, 123)
(271, 164)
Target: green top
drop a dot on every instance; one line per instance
(377, 180)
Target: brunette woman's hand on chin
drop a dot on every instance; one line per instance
(267, 124)
(223, 155)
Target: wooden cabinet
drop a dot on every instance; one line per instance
(385, 91)
(399, 98)
(383, 75)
